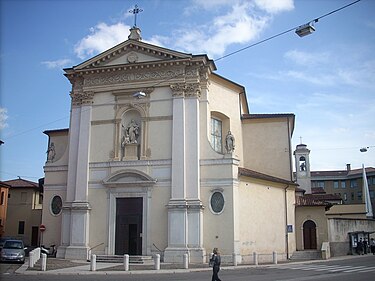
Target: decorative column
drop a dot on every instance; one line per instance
(185, 218)
(75, 231)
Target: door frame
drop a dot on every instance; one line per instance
(312, 236)
(126, 228)
(129, 183)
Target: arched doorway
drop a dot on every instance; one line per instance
(309, 235)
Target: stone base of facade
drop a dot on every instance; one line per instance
(76, 253)
(176, 255)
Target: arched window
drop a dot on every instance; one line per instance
(219, 127)
(302, 163)
(216, 134)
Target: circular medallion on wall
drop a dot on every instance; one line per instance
(56, 205)
(132, 57)
(217, 202)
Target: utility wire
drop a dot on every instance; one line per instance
(284, 32)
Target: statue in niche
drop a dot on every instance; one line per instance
(303, 166)
(51, 153)
(229, 142)
(131, 133)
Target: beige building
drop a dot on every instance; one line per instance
(4, 189)
(24, 212)
(324, 215)
(162, 154)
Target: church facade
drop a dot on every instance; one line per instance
(163, 156)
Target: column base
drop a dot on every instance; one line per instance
(176, 255)
(76, 253)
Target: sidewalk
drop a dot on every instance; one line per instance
(71, 267)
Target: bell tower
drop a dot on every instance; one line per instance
(302, 160)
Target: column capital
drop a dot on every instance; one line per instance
(82, 97)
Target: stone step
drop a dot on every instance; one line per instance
(120, 259)
(307, 255)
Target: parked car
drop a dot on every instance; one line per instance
(13, 250)
(3, 239)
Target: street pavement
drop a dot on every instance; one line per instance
(72, 267)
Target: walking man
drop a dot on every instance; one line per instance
(215, 261)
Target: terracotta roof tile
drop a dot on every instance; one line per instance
(21, 183)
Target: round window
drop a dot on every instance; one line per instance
(56, 205)
(217, 202)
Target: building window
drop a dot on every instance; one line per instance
(359, 195)
(216, 134)
(21, 227)
(56, 205)
(40, 200)
(2, 198)
(318, 184)
(343, 184)
(217, 202)
(352, 196)
(372, 194)
(336, 184)
(345, 197)
(23, 197)
(353, 183)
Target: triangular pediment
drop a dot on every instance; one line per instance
(132, 52)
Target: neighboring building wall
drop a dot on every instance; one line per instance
(346, 183)
(315, 214)
(24, 214)
(4, 188)
(339, 230)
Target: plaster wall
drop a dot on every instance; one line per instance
(267, 147)
(317, 215)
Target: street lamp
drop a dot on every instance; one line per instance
(366, 192)
(306, 29)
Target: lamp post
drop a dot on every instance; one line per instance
(366, 191)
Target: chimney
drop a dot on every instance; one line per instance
(348, 167)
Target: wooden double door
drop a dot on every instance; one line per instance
(309, 235)
(129, 213)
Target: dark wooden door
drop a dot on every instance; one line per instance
(34, 235)
(309, 235)
(129, 213)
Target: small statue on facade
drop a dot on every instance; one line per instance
(131, 133)
(229, 142)
(51, 153)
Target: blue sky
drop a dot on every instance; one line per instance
(327, 79)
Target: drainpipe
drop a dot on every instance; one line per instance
(286, 223)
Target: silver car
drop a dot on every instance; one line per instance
(13, 250)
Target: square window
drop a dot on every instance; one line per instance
(21, 227)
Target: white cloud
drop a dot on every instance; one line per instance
(269, 6)
(3, 118)
(307, 58)
(61, 63)
(275, 6)
(239, 25)
(102, 37)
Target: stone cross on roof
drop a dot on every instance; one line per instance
(135, 11)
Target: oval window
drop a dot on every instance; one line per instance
(56, 205)
(217, 202)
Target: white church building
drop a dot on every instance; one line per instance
(163, 154)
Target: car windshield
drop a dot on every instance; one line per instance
(13, 245)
